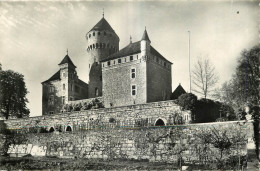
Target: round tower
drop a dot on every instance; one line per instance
(102, 41)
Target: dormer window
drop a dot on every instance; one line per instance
(119, 61)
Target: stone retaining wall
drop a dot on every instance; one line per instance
(165, 144)
(121, 116)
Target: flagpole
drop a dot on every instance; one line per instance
(189, 61)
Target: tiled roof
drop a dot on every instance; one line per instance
(65, 60)
(130, 49)
(56, 76)
(156, 53)
(177, 92)
(102, 25)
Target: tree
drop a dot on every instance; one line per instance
(204, 77)
(246, 79)
(13, 95)
(243, 88)
(188, 101)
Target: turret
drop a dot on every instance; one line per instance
(145, 44)
(102, 41)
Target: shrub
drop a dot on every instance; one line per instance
(187, 101)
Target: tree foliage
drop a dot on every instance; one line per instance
(13, 95)
(204, 77)
(243, 88)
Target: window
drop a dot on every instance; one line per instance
(133, 90)
(51, 112)
(64, 74)
(114, 62)
(51, 100)
(51, 89)
(93, 46)
(119, 61)
(64, 86)
(137, 56)
(131, 58)
(98, 33)
(133, 73)
(108, 63)
(125, 59)
(96, 91)
(93, 33)
(63, 99)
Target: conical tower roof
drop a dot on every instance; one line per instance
(145, 36)
(102, 25)
(67, 59)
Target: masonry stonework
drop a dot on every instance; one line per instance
(153, 144)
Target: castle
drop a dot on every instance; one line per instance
(134, 84)
(136, 74)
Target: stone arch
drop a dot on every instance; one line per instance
(68, 128)
(51, 129)
(160, 122)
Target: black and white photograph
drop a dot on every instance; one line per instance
(129, 85)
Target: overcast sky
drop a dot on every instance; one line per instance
(34, 36)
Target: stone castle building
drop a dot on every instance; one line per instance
(136, 74)
(62, 87)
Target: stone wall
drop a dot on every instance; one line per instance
(159, 79)
(100, 99)
(128, 116)
(118, 81)
(165, 144)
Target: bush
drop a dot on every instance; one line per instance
(187, 101)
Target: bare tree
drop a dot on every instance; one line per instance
(204, 77)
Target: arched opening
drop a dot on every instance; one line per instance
(96, 91)
(159, 122)
(51, 129)
(68, 129)
(43, 130)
